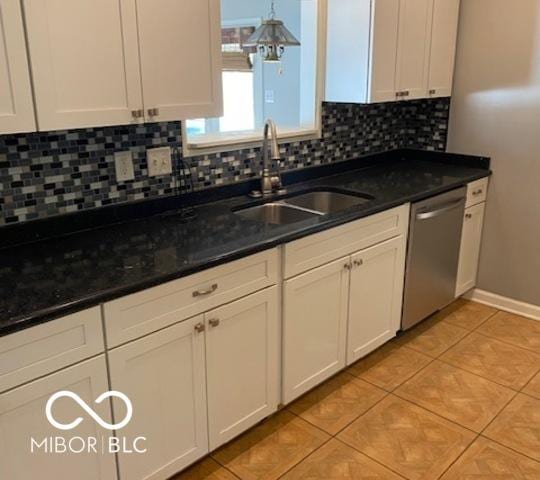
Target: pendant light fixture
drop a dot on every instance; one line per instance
(271, 38)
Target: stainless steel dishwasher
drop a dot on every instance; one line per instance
(433, 255)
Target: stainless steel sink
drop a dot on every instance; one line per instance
(327, 201)
(277, 214)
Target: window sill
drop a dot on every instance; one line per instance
(236, 141)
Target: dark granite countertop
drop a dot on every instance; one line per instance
(46, 279)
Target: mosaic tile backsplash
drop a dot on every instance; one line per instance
(51, 173)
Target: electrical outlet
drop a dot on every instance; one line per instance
(159, 161)
(269, 96)
(123, 163)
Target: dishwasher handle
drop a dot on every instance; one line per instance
(440, 211)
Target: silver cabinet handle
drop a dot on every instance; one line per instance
(199, 328)
(432, 91)
(440, 211)
(214, 322)
(468, 216)
(478, 192)
(202, 293)
(358, 263)
(153, 112)
(347, 266)
(137, 113)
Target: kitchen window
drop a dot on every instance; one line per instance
(253, 90)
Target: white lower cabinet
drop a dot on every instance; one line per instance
(376, 296)
(314, 327)
(164, 377)
(198, 384)
(242, 352)
(469, 255)
(23, 418)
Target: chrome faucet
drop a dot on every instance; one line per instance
(270, 183)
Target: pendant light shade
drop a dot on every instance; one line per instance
(271, 38)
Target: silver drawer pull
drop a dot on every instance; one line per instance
(478, 192)
(214, 322)
(199, 328)
(202, 293)
(347, 266)
(358, 263)
(468, 216)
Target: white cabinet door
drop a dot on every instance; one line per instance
(415, 18)
(22, 418)
(443, 47)
(384, 42)
(314, 327)
(164, 377)
(85, 62)
(16, 103)
(376, 294)
(180, 47)
(471, 240)
(242, 351)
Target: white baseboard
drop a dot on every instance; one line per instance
(504, 303)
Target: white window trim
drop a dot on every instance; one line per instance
(243, 140)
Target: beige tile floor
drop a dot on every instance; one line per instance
(456, 398)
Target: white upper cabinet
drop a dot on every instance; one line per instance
(443, 47)
(115, 62)
(415, 18)
(180, 45)
(16, 104)
(388, 50)
(85, 65)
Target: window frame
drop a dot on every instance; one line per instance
(238, 141)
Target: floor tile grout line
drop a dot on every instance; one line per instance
(305, 458)
(507, 343)
(528, 395)
(459, 456)
(350, 423)
(363, 414)
(515, 389)
(509, 448)
(498, 414)
(437, 414)
(371, 458)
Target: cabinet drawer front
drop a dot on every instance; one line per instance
(477, 192)
(41, 350)
(316, 250)
(145, 312)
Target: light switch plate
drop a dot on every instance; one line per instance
(123, 163)
(159, 161)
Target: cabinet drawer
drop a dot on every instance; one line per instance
(316, 250)
(145, 312)
(41, 350)
(477, 192)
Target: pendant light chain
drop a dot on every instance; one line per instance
(273, 10)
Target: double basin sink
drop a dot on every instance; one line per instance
(303, 206)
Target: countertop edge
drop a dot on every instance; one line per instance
(43, 316)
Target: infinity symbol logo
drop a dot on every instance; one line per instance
(88, 410)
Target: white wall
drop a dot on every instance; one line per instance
(496, 112)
